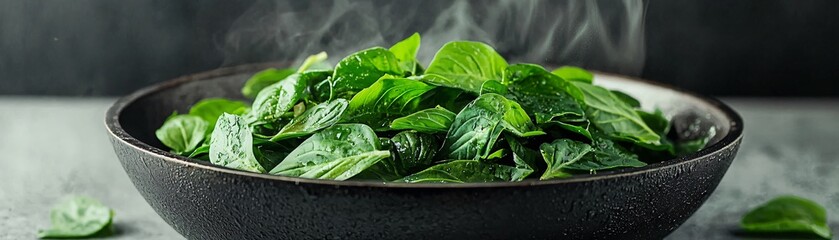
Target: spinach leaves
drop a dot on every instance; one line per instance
(78, 217)
(468, 117)
(788, 214)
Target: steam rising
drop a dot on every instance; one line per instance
(606, 35)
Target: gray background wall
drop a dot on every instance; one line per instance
(105, 47)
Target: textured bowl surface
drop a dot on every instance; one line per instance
(202, 201)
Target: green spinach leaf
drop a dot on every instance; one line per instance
(476, 128)
(606, 155)
(78, 217)
(386, 100)
(231, 144)
(312, 61)
(360, 70)
(614, 117)
(560, 154)
(273, 102)
(524, 158)
(548, 97)
(182, 133)
(432, 120)
(339, 152)
(572, 73)
(788, 214)
(406, 52)
(314, 119)
(493, 86)
(462, 171)
(410, 152)
(263, 79)
(465, 65)
(211, 108)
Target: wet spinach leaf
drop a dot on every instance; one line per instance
(182, 133)
(548, 97)
(231, 144)
(432, 120)
(493, 86)
(338, 152)
(560, 154)
(386, 100)
(523, 157)
(361, 69)
(462, 171)
(406, 52)
(410, 152)
(788, 214)
(465, 65)
(314, 119)
(273, 102)
(476, 128)
(78, 217)
(614, 117)
(606, 155)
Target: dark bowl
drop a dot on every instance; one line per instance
(203, 201)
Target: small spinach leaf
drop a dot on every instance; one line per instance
(201, 152)
(465, 65)
(410, 152)
(361, 69)
(572, 73)
(658, 123)
(78, 217)
(182, 133)
(406, 52)
(314, 119)
(524, 158)
(338, 152)
(548, 97)
(614, 117)
(386, 100)
(561, 153)
(263, 79)
(312, 61)
(476, 128)
(430, 120)
(272, 103)
(788, 214)
(462, 171)
(211, 108)
(606, 155)
(231, 144)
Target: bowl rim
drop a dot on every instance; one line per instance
(115, 130)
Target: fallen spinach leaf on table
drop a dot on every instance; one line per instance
(788, 214)
(470, 116)
(78, 217)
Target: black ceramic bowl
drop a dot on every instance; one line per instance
(202, 201)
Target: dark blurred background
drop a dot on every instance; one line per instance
(719, 47)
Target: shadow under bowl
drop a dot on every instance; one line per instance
(203, 201)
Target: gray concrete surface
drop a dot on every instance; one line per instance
(52, 147)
